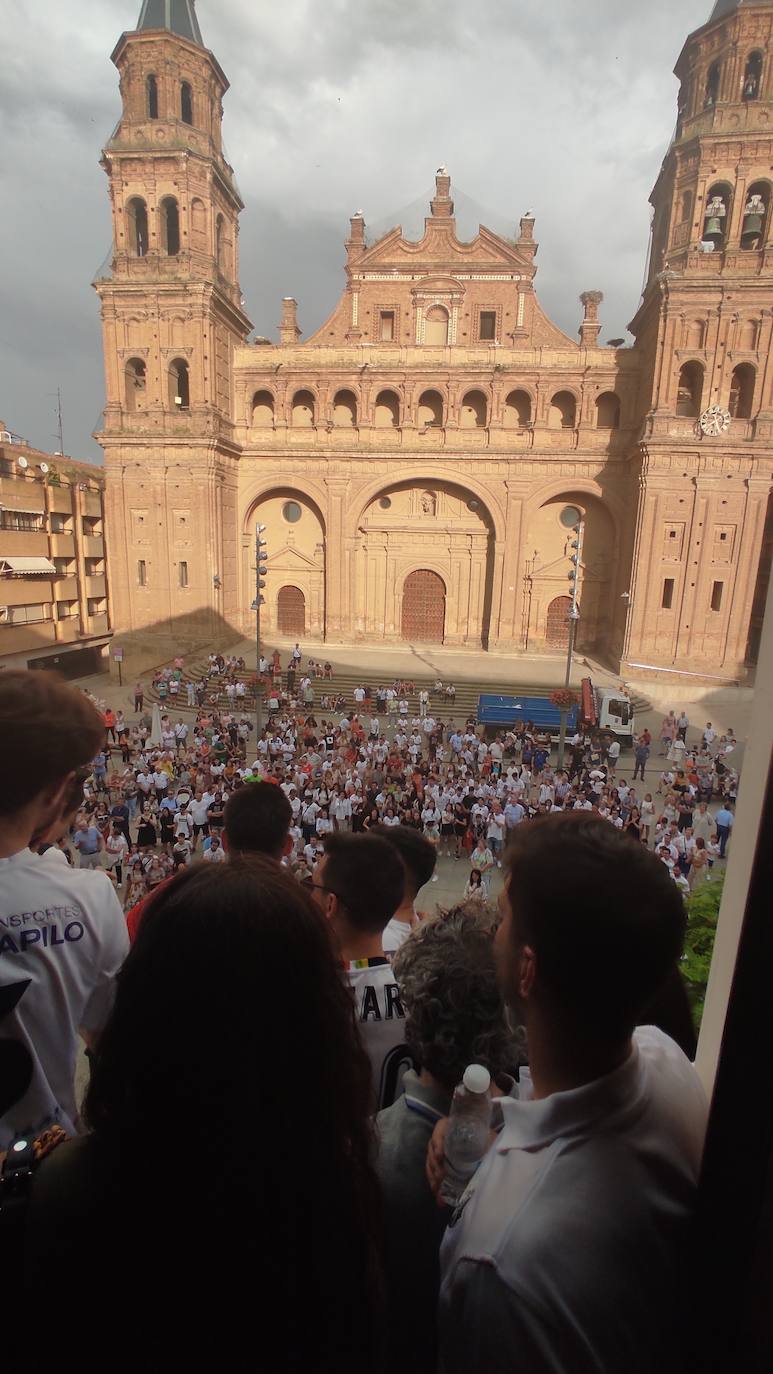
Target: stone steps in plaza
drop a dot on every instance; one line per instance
(345, 680)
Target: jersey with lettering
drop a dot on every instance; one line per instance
(63, 932)
(381, 1018)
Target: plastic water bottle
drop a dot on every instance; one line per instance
(467, 1135)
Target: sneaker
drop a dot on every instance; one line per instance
(434, 877)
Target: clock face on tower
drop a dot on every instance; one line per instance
(715, 420)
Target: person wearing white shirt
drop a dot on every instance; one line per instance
(214, 852)
(62, 930)
(535, 1275)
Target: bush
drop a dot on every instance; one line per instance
(702, 913)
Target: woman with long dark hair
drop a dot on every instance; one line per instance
(224, 1197)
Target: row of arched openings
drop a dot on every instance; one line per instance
(169, 229)
(178, 384)
(184, 112)
(751, 86)
(718, 214)
(689, 397)
(430, 411)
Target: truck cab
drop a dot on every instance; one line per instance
(615, 712)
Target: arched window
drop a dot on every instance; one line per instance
(137, 225)
(716, 220)
(169, 211)
(152, 87)
(755, 216)
(134, 377)
(752, 77)
(430, 411)
(517, 410)
(712, 86)
(608, 411)
(690, 390)
(436, 325)
(345, 410)
(179, 385)
(473, 412)
(198, 225)
(387, 410)
(186, 102)
(563, 411)
(263, 408)
(742, 391)
(686, 206)
(303, 410)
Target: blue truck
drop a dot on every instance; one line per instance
(504, 712)
(604, 710)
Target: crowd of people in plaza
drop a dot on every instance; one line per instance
(276, 1028)
(152, 808)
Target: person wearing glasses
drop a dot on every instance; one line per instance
(61, 927)
(357, 885)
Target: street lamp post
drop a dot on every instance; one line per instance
(260, 570)
(571, 518)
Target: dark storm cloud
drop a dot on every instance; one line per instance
(563, 108)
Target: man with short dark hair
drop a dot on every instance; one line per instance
(568, 1250)
(419, 857)
(256, 820)
(356, 884)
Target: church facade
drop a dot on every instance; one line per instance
(411, 460)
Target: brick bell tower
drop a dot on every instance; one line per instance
(172, 316)
(705, 328)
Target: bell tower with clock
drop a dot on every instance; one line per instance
(705, 333)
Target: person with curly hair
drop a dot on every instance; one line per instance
(455, 1016)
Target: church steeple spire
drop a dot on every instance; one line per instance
(723, 7)
(178, 16)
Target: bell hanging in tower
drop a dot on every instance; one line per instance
(714, 222)
(753, 221)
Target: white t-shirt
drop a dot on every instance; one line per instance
(62, 928)
(566, 1246)
(395, 934)
(381, 1018)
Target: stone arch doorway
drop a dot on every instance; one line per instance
(295, 553)
(424, 607)
(291, 611)
(557, 622)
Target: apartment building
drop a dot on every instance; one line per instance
(54, 602)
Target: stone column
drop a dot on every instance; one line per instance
(337, 622)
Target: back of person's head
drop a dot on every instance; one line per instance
(256, 820)
(455, 1010)
(366, 874)
(194, 1099)
(603, 917)
(417, 853)
(48, 730)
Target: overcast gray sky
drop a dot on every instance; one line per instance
(563, 108)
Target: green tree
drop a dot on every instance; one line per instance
(702, 913)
